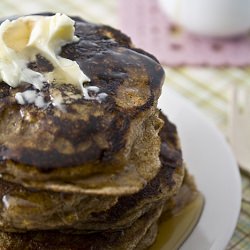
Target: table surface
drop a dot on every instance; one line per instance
(208, 88)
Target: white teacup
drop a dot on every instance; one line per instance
(219, 18)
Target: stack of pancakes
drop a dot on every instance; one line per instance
(89, 174)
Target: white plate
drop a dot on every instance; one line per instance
(210, 160)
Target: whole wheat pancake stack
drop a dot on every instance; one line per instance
(90, 173)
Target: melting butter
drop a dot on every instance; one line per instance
(31, 96)
(5, 201)
(95, 94)
(22, 40)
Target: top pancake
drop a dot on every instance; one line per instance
(87, 132)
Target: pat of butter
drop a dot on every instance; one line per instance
(23, 39)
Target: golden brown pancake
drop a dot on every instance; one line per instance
(90, 174)
(139, 236)
(126, 239)
(87, 146)
(24, 209)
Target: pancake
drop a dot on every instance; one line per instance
(164, 186)
(144, 160)
(149, 238)
(126, 239)
(139, 236)
(92, 141)
(89, 171)
(67, 211)
(22, 209)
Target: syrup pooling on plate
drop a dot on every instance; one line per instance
(178, 222)
(23, 40)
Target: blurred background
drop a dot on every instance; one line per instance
(204, 46)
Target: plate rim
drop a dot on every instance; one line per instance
(222, 240)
